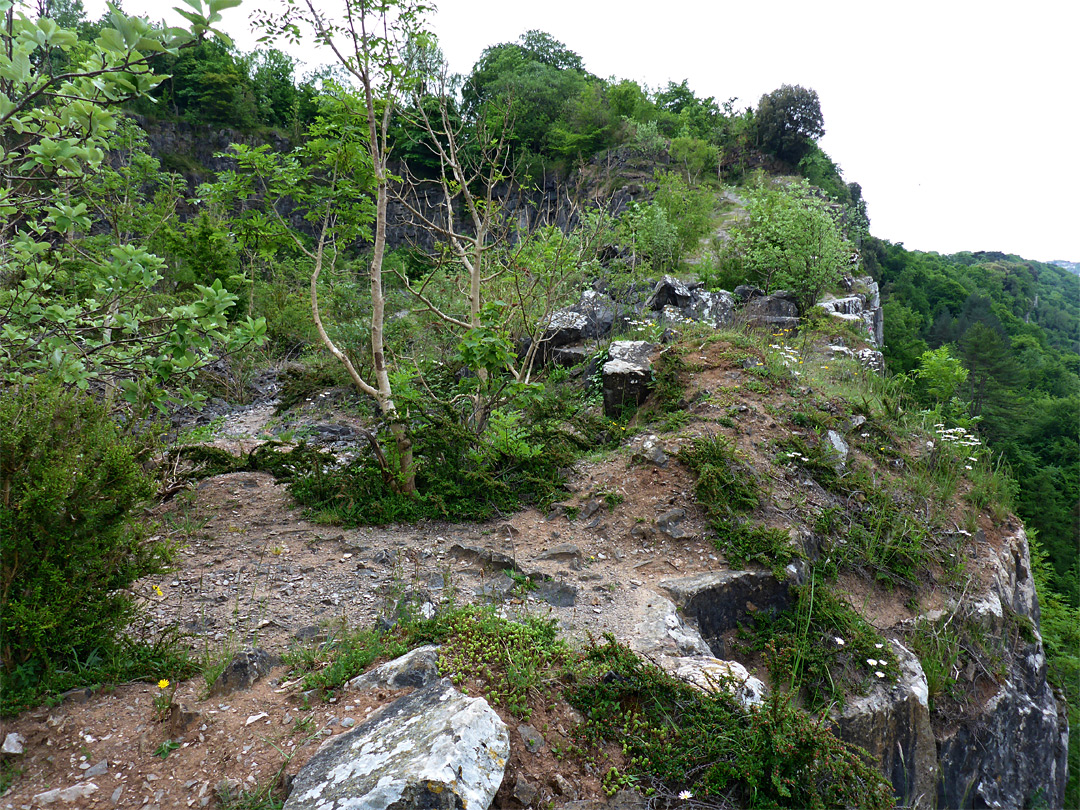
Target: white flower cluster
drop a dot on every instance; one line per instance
(789, 355)
(957, 437)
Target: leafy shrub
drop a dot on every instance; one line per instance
(678, 739)
(68, 546)
(461, 474)
(724, 487)
(821, 645)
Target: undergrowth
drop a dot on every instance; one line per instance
(728, 491)
(822, 648)
(673, 737)
(519, 458)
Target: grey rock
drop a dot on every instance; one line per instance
(569, 356)
(839, 446)
(721, 601)
(1012, 747)
(416, 669)
(660, 631)
(710, 674)
(563, 552)
(669, 291)
(556, 593)
(243, 671)
(434, 748)
(656, 456)
(591, 507)
(592, 317)
(871, 359)
(385, 556)
(652, 451)
(486, 557)
(533, 740)
(524, 791)
(97, 770)
(627, 376)
(892, 723)
(182, 718)
(714, 308)
(563, 787)
(13, 743)
(670, 522)
(744, 292)
(631, 351)
(80, 695)
(497, 586)
(862, 306)
(67, 795)
(776, 312)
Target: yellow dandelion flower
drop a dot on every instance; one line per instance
(163, 684)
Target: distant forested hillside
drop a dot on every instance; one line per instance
(1015, 326)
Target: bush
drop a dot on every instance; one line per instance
(68, 546)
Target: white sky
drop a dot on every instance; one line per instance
(961, 120)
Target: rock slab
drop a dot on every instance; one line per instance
(435, 748)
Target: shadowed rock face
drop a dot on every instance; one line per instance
(1010, 751)
(893, 724)
(720, 602)
(627, 375)
(434, 748)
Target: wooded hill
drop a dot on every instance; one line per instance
(120, 279)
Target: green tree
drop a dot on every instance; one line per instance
(369, 39)
(789, 121)
(689, 210)
(521, 90)
(70, 308)
(790, 240)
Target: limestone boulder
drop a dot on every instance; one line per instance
(433, 749)
(892, 723)
(627, 375)
(777, 312)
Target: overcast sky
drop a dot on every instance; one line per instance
(961, 120)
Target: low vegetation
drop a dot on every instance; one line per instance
(116, 310)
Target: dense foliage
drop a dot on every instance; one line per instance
(68, 546)
(1014, 326)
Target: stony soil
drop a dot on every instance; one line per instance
(252, 570)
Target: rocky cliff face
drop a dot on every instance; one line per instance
(1010, 749)
(1008, 745)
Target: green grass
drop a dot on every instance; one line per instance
(672, 737)
(822, 648)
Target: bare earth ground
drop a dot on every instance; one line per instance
(251, 569)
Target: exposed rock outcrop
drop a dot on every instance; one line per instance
(627, 375)
(777, 312)
(1010, 751)
(862, 305)
(434, 748)
(893, 724)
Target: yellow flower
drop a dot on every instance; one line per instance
(157, 590)
(163, 684)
